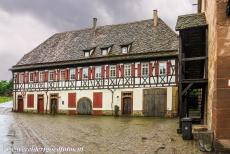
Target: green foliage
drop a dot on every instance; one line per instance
(6, 88)
(5, 99)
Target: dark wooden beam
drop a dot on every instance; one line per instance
(187, 88)
(195, 58)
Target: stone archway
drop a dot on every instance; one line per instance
(84, 106)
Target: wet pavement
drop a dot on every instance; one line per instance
(89, 134)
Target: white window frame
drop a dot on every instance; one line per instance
(104, 51)
(98, 72)
(31, 76)
(85, 73)
(21, 77)
(112, 71)
(162, 68)
(144, 69)
(72, 74)
(42, 76)
(87, 54)
(127, 70)
(124, 49)
(51, 72)
(62, 75)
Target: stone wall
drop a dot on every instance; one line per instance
(219, 67)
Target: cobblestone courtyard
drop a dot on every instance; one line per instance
(93, 134)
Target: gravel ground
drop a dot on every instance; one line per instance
(90, 134)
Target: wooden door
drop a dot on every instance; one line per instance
(40, 104)
(155, 102)
(20, 104)
(54, 106)
(84, 106)
(127, 106)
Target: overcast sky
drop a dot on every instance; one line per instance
(24, 24)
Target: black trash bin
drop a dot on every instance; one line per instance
(186, 128)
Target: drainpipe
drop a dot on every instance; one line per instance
(46, 101)
(112, 91)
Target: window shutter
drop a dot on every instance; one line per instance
(58, 75)
(122, 70)
(139, 70)
(34, 76)
(55, 75)
(72, 100)
(46, 75)
(150, 69)
(117, 70)
(93, 72)
(30, 100)
(97, 99)
(66, 74)
(156, 68)
(80, 73)
(168, 67)
(133, 70)
(76, 73)
(37, 76)
(89, 73)
(26, 77)
(107, 72)
(17, 78)
(102, 71)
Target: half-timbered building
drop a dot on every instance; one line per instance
(90, 71)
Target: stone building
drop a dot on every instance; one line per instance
(89, 71)
(214, 18)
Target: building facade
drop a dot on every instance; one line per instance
(90, 71)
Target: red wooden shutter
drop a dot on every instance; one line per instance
(17, 78)
(156, 68)
(93, 72)
(107, 72)
(55, 75)
(133, 70)
(26, 77)
(66, 74)
(46, 75)
(34, 76)
(122, 70)
(168, 67)
(58, 75)
(80, 73)
(102, 71)
(72, 100)
(30, 100)
(76, 73)
(97, 99)
(117, 70)
(139, 70)
(150, 69)
(89, 73)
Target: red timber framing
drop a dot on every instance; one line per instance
(97, 102)
(135, 80)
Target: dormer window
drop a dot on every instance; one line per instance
(89, 52)
(125, 48)
(104, 52)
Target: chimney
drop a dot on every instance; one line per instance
(94, 23)
(155, 18)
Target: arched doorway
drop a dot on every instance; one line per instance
(84, 106)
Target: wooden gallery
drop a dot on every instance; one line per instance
(90, 71)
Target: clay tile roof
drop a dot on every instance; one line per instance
(69, 46)
(190, 21)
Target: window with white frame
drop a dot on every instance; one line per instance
(127, 70)
(72, 74)
(98, 72)
(31, 76)
(124, 49)
(85, 73)
(21, 77)
(42, 76)
(62, 76)
(145, 69)
(51, 75)
(162, 68)
(87, 53)
(112, 71)
(104, 51)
